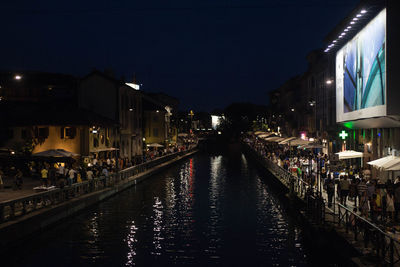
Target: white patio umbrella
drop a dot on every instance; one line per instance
(265, 135)
(155, 145)
(272, 138)
(385, 162)
(299, 142)
(287, 140)
(349, 154)
(395, 167)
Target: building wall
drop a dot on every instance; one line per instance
(154, 127)
(130, 118)
(54, 139)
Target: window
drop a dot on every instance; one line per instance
(68, 132)
(155, 132)
(95, 142)
(42, 132)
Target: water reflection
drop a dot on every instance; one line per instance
(205, 211)
(215, 188)
(157, 227)
(131, 242)
(93, 250)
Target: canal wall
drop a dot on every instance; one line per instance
(15, 231)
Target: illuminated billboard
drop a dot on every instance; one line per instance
(361, 73)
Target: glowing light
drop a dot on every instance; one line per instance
(328, 81)
(355, 19)
(157, 111)
(292, 109)
(17, 77)
(352, 22)
(363, 11)
(359, 15)
(334, 41)
(131, 109)
(133, 85)
(343, 135)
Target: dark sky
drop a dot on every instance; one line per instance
(207, 53)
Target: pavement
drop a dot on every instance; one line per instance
(9, 192)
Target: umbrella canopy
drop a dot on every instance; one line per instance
(265, 135)
(387, 163)
(55, 153)
(287, 140)
(395, 167)
(271, 139)
(299, 142)
(155, 145)
(349, 154)
(313, 145)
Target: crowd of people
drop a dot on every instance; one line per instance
(55, 174)
(351, 186)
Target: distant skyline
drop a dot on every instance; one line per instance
(207, 54)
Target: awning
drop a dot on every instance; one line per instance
(96, 150)
(287, 140)
(299, 142)
(349, 154)
(312, 145)
(391, 163)
(155, 145)
(265, 135)
(395, 167)
(274, 139)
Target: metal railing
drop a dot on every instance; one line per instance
(382, 245)
(16, 208)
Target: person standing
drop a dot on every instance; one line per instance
(44, 173)
(364, 204)
(60, 172)
(390, 205)
(344, 190)
(330, 190)
(71, 176)
(18, 179)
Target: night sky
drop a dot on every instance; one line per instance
(207, 53)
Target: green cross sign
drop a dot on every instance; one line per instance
(343, 135)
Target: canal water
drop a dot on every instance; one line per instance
(208, 210)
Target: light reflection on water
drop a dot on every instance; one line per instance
(205, 211)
